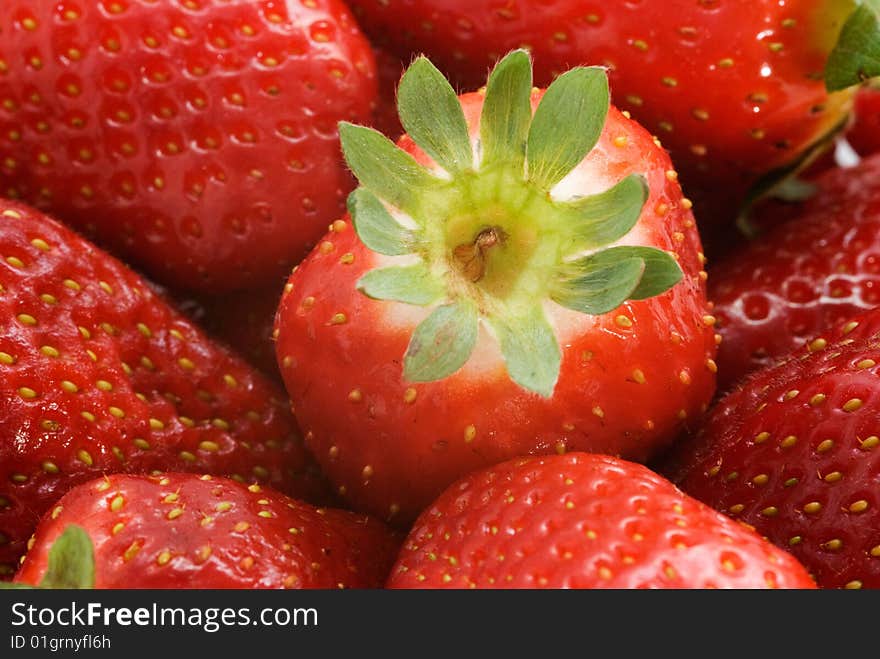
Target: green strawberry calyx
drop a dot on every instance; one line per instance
(856, 57)
(483, 239)
(70, 565)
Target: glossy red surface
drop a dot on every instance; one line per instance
(187, 531)
(99, 375)
(819, 266)
(794, 453)
(733, 88)
(390, 446)
(196, 139)
(583, 521)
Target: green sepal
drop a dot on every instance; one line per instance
(507, 112)
(606, 217)
(567, 124)
(442, 343)
(602, 285)
(412, 284)
(662, 271)
(432, 116)
(388, 172)
(70, 564)
(602, 281)
(856, 57)
(71, 561)
(376, 227)
(531, 352)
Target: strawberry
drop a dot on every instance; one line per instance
(734, 89)
(99, 375)
(864, 135)
(196, 138)
(186, 531)
(244, 320)
(793, 452)
(583, 521)
(468, 312)
(817, 268)
(389, 68)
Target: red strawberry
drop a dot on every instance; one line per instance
(583, 521)
(245, 321)
(794, 452)
(389, 68)
(864, 135)
(186, 531)
(198, 138)
(819, 267)
(475, 313)
(734, 89)
(99, 375)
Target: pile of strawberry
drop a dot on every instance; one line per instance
(247, 341)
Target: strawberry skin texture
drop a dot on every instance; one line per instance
(864, 135)
(186, 136)
(819, 267)
(243, 320)
(389, 69)
(99, 375)
(391, 446)
(733, 89)
(583, 521)
(186, 531)
(793, 451)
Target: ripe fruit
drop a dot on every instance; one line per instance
(186, 531)
(197, 139)
(794, 452)
(864, 135)
(473, 314)
(583, 521)
(244, 321)
(819, 267)
(734, 89)
(389, 68)
(98, 375)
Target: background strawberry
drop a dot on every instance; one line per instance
(497, 336)
(819, 266)
(864, 135)
(99, 375)
(243, 320)
(187, 531)
(198, 139)
(389, 69)
(583, 521)
(734, 89)
(794, 453)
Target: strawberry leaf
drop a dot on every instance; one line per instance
(662, 271)
(432, 116)
(413, 284)
(507, 112)
(376, 227)
(602, 281)
(567, 124)
(442, 343)
(603, 284)
(531, 352)
(388, 172)
(856, 57)
(606, 217)
(71, 561)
